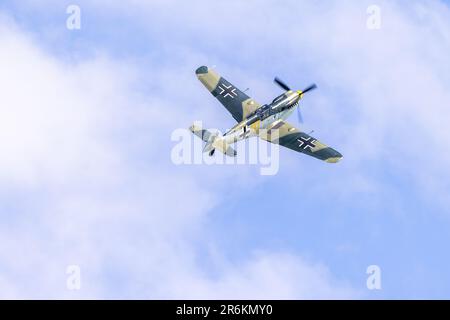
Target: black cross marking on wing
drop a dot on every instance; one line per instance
(227, 91)
(306, 142)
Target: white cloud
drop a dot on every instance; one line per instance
(266, 276)
(52, 119)
(75, 194)
(70, 134)
(384, 93)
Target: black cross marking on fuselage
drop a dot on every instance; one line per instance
(227, 91)
(307, 142)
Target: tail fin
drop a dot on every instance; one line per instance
(214, 140)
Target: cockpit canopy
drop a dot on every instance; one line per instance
(278, 99)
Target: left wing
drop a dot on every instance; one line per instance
(234, 100)
(290, 137)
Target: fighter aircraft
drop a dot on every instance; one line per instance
(252, 117)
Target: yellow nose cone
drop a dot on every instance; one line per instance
(300, 93)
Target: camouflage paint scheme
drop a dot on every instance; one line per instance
(252, 117)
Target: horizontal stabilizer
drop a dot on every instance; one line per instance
(204, 134)
(214, 141)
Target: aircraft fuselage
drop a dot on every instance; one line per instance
(264, 117)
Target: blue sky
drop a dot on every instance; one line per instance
(87, 177)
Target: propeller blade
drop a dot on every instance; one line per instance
(281, 84)
(311, 87)
(299, 115)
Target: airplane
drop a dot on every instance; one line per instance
(251, 117)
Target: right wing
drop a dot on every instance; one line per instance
(234, 100)
(290, 137)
